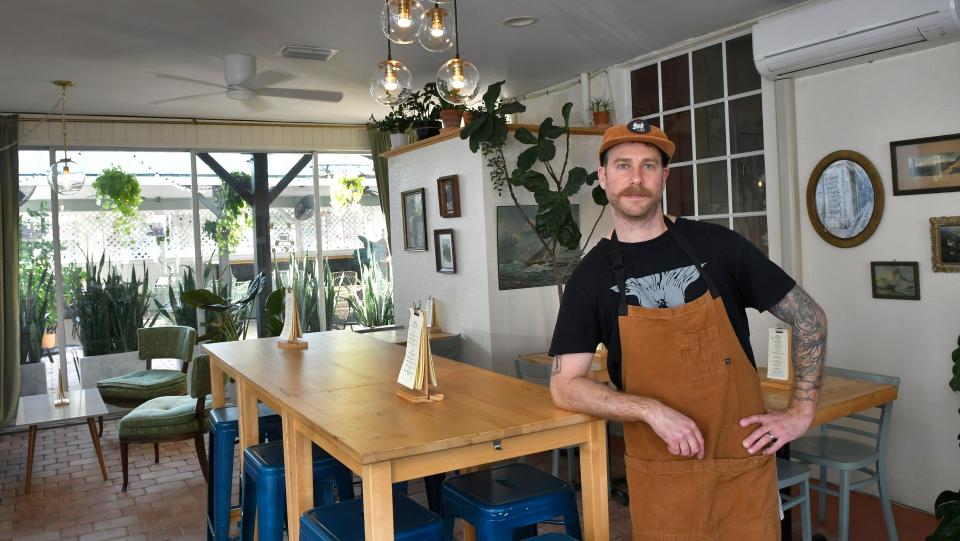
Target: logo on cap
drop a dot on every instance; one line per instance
(638, 126)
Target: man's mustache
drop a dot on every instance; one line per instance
(635, 190)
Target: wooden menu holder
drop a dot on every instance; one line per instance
(432, 317)
(290, 336)
(424, 372)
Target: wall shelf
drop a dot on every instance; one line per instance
(456, 133)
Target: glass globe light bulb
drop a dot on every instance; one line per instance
(398, 20)
(436, 30)
(458, 81)
(389, 81)
(66, 176)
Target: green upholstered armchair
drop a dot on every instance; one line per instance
(171, 418)
(135, 388)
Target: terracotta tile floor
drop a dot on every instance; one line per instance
(70, 501)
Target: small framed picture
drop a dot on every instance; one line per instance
(448, 190)
(945, 243)
(414, 220)
(895, 280)
(927, 165)
(446, 250)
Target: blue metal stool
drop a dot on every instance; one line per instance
(224, 431)
(344, 521)
(264, 487)
(499, 500)
(552, 537)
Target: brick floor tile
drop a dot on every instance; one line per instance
(105, 535)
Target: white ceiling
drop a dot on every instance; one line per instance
(110, 48)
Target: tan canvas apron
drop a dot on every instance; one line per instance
(689, 358)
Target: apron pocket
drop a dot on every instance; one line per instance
(743, 493)
(700, 357)
(666, 498)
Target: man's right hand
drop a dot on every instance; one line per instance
(678, 431)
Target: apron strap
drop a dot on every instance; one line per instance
(616, 258)
(687, 249)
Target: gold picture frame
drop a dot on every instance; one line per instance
(845, 198)
(945, 243)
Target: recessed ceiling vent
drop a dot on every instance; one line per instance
(306, 51)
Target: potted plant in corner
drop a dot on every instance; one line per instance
(117, 190)
(947, 505)
(600, 107)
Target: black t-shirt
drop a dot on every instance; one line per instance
(659, 274)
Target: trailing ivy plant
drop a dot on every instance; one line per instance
(235, 216)
(119, 191)
(947, 505)
(347, 192)
(554, 224)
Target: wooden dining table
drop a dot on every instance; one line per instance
(339, 393)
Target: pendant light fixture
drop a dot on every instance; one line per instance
(390, 80)
(436, 35)
(400, 20)
(65, 175)
(457, 80)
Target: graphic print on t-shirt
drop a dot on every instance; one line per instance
(663, 289)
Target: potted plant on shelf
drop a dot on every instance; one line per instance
(117, 190)
(396, 123)
(601, 106)
(424, 106)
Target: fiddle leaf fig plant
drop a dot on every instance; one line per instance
(117, 190)
(555, 224)
(947, 506)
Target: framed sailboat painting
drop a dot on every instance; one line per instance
(522, 259)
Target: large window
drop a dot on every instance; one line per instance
(708, 102)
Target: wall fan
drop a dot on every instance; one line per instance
(245, 84)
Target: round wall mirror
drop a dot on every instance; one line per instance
(845, 198)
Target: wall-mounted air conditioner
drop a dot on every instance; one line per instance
(834, 33)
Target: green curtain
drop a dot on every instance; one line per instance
(380, 143)
(9, 270)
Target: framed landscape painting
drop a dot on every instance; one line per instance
(446, 250)
(414, 220)
(895, 280)
(927, 165)
(945, 243)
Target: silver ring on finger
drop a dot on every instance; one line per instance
(772, 437)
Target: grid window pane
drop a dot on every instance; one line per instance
(677, 128)
(723, 222)
(746, 124)
(676, 82)
(708, 73)
(712, 188)
(749, 184)
(680, 191)
(711, 131)
(742, 74)
(754, 228)
(644, 90)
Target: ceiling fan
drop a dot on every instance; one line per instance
(245, 84)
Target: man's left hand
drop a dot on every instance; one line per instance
(777, 428)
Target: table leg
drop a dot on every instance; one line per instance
(96, 445)
(216, 387)
(593, 477)
(377, 501)
(31, 446)
(298, 457)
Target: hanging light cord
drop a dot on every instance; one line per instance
(456, 28)
(63, 118)
(31, 131)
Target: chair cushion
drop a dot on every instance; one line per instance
(833, 452)
(143, 385)
(162, 417)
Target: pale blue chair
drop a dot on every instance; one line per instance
(790, 474)
(867, 455)
(539, 373)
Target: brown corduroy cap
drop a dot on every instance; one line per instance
(637, 130)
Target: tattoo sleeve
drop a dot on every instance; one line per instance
(809, 325)
(556, 364)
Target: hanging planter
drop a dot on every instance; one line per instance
(119, 191)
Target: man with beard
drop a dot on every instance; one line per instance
(668, 297)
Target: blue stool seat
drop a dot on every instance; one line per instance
(499, 500)
(552, 537)
(344, 522)
(264, 489)
(224, 430)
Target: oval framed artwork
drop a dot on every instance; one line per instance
(845, 198)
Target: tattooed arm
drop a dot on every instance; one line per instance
(809, 326)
